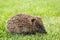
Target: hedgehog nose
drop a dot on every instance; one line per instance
(45, 32)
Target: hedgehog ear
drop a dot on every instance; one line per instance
(33, 21)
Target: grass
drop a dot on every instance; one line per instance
(49, 10)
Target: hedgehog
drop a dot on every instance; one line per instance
(24, 23)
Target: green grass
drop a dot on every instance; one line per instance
(49, 10)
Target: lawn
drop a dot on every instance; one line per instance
(49, 10)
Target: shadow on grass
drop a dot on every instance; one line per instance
(28, 34)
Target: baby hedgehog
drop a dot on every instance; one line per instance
(23, 23)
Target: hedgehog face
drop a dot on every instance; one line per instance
(40, 28)
(38, 24)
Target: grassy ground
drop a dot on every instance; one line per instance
(49, 10)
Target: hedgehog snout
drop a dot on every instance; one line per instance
(40, 28)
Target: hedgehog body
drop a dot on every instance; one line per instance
(23, 23)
